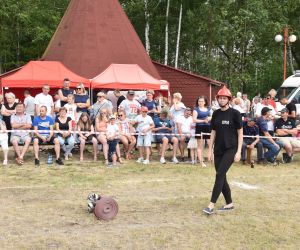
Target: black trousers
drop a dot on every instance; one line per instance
(222, 164)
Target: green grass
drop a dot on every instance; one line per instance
(159, 207)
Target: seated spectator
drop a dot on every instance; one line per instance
(144, 126)
(71, 110)
(152, 105)
(286, 129)
(268, 142)
(63, 125)
(8, 109)
(45, 123)
(128, 140)
(20, 121)
(163, 126)
(102, 103)
(184, 124)
(112, 139)
(29, 104)
(4, 141)
(86, 130)
(101, 127)
(251, 129)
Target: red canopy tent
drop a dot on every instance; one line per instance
(127, 76)
(37, 73)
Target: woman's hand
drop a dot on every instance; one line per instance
(237, 157)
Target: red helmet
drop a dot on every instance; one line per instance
(224, 92)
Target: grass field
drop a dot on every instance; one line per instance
(160, 207)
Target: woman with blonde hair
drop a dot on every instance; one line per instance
(101, 127)
(8, 108)
(81, 100)
(85, 132)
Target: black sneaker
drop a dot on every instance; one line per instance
(36, 162)
(208, 211)
(224, 209)
(288, 159)
(284, 157)
(59, 161)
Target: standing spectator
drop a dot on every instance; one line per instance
(286, 129)
(178, 108)
(126, 137)
(20, 121)
(271, 116)
(120, 97)
(57, 103)
(63, 125)
(130, 106)
(184, 124)
(43, 130)
(290, 106)
(86, 130)
(8, 109)
(4, 141)
(64, 92)
(71, 110)
(268, 142)
(247, 104)
(82, 100)
(151, 104)
(102, 103)
(101, 127)
(202, 118)
(251, 129)
(192, 144)
(255, 103)
(29, 104)
(237, 105)
(163, 126)
(272, 93)
(144, 126)
(44, 99)
(112, 139)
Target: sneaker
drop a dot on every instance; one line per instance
(174, 160)
(59, 161)
(193, 162)
(284, 157)
(224, 209)
(162, 160)
(36, 162)
(4, 163)
(140, 160)
(289, 159)
(208, 211)
(146, 162)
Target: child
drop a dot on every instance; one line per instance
(192, 145)
(71, 109)
(112, 134)
(144, 127)
(4, 141)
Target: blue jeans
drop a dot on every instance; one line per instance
(273, 151)
(70, 143)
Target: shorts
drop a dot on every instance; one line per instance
(203, 129)
(48, 142)
(4, 141)
(144, 140)
(159, 138)
(192, 143)
(20, 139)
(294, 141)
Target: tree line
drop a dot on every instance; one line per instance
(231, 41)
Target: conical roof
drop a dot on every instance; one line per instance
(94, 34)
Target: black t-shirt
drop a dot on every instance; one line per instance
(291, 107)
(65, 93)
(63, 126)
(120, 99)
(288, 124)
(226, 123)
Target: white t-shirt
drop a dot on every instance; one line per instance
(71, 110)
(260, 106)
(238, 108)
(44, 100)
(179, 112)
(29, 105)
(131, 108)
(143, 123)
(112, 130)
(185, 124)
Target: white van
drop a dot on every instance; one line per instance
(291, 90)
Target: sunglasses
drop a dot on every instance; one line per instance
(145, 112)
(120, 115)
(78, 88)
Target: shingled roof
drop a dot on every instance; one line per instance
(94, 34)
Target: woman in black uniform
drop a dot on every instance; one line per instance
(226, 139)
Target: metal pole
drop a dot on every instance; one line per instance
(286, 36)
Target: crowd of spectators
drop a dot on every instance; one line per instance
(70, 118)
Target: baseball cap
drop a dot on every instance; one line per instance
(130, 92)
(265, 110)
(112, 117)
(284, 110)
(144, 109)
(250, 119)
